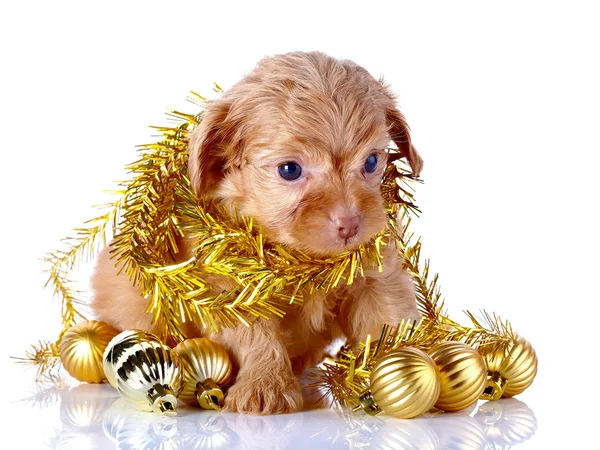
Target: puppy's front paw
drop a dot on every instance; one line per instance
(275, 395)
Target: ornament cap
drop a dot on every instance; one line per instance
(162, 400)
(368, 404)
(209, 395)
(494, 386)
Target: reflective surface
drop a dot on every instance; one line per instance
(95, 417)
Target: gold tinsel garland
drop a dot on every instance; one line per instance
(344, 379)
(157, 206)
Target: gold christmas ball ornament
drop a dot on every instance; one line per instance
(404, 383)
(511, 369)
(463, 375)
(206, 367)
(146, 372)
(120, 345)
(81, 350)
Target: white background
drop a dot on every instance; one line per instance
(502, 99)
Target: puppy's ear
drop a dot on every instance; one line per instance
(400, 134)
(399, 131)
(211, 147)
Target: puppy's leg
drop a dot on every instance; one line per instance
(381, 298)
(265, 383)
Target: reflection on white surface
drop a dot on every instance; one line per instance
(94, 417)
(507, 423)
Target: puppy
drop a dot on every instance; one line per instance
(297, 144)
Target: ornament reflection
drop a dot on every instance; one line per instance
(507, 422)
(81, 412)
(93, 417)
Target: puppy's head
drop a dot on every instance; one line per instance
(298, 145)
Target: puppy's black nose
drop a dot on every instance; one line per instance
(347, 226)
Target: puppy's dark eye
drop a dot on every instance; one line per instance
(290, 171)
(371, 163)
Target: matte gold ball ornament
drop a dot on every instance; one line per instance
(207, 367)
(81, 349)
(404, 383)
(511, 369)
(463, 375)
(147, 372)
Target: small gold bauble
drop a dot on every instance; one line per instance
(463, 375)
(81, 349)
(146, 371)
(120, 345)
(206, 367)
(404, 383)
(511, 369)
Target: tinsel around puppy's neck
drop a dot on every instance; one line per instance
(157, 207)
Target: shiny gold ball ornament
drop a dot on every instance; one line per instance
(404, 383)
(146, 371)
(119, 346)
(511, 369)
(463, 375)
(206, 367)
(81, 349)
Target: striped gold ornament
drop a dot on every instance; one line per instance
(206, 367)
(147, 372)
(120, 345)
(404, 383)
(463, 375)
(81, 349)
(511, 369)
